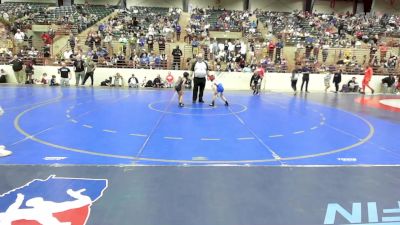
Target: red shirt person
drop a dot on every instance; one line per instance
(367, 78)
(260, 71)
(170, 79)
(47, 39)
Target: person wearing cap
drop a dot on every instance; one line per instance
(199, 72)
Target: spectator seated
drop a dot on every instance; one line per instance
(388, 84)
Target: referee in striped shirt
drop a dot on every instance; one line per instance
(200, 72)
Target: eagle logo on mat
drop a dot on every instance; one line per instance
(53, 201)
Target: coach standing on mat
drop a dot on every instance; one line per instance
(199, 71)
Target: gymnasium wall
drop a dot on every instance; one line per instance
(340, 7)
(231, 81)
(277, 5)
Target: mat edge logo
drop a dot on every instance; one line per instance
(355, 215)
(53, 176)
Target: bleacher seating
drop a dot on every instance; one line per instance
(81, 17)
(145, 16)
(17, 10)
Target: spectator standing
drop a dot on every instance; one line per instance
(195, 47)
(383, 49)
(47, 39)
(238, 46)
(132, 42)
(337, 78)
(46, 53)
(29, 71)
(163, 58)
(199, 72)
(178, 30)
(309, 48)
(17, 66)
(271, 48)
(72, 40)
(306, 78)
(79, 69)
(150, 43)
(316, 51)
(123, 42)
(177, 54)
(325, 49)
(294, 78)
(19, 38)
(372, 52)
(90, 68)
(161, 45)
(327, 81)
(279, 47)
(108, 42)
(65, 74)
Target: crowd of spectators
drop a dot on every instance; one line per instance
(12, 11)
(138, 37)
(19, 38)
(129, 39)
(314, 34)
(75, 18)
(239, 55)
(207, 19)
(339, 30)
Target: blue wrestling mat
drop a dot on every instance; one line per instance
(136, 127)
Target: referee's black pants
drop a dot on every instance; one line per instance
(198, 83)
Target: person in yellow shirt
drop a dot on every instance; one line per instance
(10, 44)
